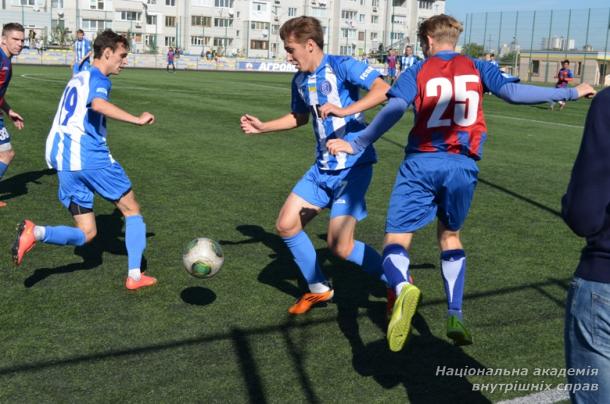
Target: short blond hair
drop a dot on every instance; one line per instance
(442, 28)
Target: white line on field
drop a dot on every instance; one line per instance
(534, 120)
(544, 397)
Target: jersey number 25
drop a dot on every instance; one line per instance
(466, 102)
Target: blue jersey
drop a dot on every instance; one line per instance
(81, 48)
(6, 70)
(77, 140)
(337, 80)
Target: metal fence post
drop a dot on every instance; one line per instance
(546, 70)
(531, 63)
(584, 61)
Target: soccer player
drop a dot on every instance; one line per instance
(391, 63)
(408, 59)
(564, 76)
(13, 36)
(322, 85)
(76, 147)
(439, 174)
(171, 55)
(82, 53)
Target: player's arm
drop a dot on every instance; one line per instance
(15, 117)
(355, 142)
(110, 110)
(527, 94)
(251, 125)
(85, 58)
(585, 204)
(375, 96)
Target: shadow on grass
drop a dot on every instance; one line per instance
(198, 296)
(109, 239)
(17, 185)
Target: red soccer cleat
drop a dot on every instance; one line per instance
(24, 241)
(144, 281)
(305, 302)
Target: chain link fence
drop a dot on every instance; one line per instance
(532, 44)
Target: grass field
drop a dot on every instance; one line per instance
(70, 332)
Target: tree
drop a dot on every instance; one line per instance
(509, 59)
(473, 49)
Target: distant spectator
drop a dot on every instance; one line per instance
(564, 76)
(171, 54)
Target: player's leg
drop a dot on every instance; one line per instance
(6, 152)
(455, 197)
(78, 198)
(347, 209)
(135, 241)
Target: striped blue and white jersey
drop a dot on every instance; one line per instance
(337, 80)
(77, 140)
(81, 48)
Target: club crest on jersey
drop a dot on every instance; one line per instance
(325, 87)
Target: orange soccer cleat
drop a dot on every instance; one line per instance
(144, 281)
(306, 301)
(2, 204)
(24, 241)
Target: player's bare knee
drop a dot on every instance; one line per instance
(89, 235)
(449, 240)
(7, 156)
(286, 227)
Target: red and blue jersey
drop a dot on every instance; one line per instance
(446, 91)
(5, 75)
(564, 76)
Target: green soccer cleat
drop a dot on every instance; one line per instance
(405, 307)
(457, 331)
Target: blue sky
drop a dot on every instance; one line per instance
(459, 8)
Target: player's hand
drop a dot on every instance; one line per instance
(585, 90)
(16, 118)
(331, 109)
(250, 124)
(335, 146)
(146, 118)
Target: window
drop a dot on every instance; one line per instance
(170, 41)
(131, 15)
(170, 21)
(150, 40)
(348, 33)
(96, 4)
(292, 11)
(374, 19)
(27, 3)
(151, 19)
(200, 40)
(348, 14)
(57, 4)
(263, 45)
(96, 25)
(361, 17)
(361, 35)
(275, 29)
(223, 3)
(535, 67)
(221, 41)
(151, 2)
(223, 22)
(201, 21)
(258, 25)
(375, 3)
(374, 36)
(346, 50)
(397, 36)
(399, 19)
(171, 3)
(425, 4)
(260, 6)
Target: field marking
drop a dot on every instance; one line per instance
(545, 397)
(535, 120)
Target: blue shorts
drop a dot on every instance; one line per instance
(391, 72)
(5, 137)
(111, 183)
(430, 185)
(342, 191)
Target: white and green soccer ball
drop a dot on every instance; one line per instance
(203, 257)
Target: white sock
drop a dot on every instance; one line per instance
(39, 232)
(135, 274)
(399, 287)
(319, 287)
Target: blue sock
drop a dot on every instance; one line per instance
(3, 168)
(364, 255)
(453, 269)
(135, 240)
(305, 256)
(63, 235)
(396, 264)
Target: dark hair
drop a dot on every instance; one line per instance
(12, 26)
(80, 31)
(108, 39)
(565, 61)
(302, 29)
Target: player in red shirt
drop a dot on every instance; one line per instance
(437, 179)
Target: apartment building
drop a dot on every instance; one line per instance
(248, 28)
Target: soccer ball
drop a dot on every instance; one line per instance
(203, 257)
